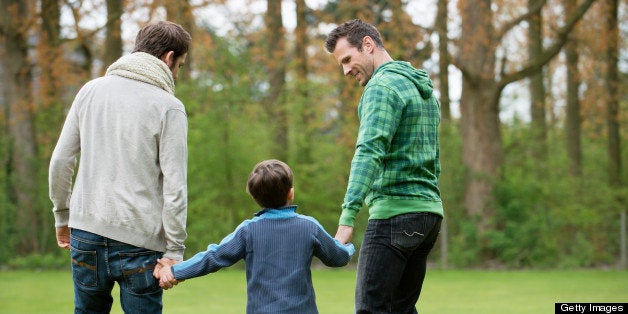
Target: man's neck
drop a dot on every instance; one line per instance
(381, 56)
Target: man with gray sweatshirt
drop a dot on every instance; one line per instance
(128, 204)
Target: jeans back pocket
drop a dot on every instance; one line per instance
(408, 231)
(84, 267)
(137, 270)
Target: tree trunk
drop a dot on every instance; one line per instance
(306, 108)
(443, 60)
(482, 150)
(275, 63)
(49, 52)
(537, 88)
(573, 122)
(612, 81)
(113, 40)
(50, 105)
(612, 118)
(23, 170)
(481, 138)
(443, 87)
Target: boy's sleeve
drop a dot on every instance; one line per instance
(330, 251)
(230, 250)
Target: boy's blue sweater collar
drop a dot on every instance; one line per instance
(281, 212)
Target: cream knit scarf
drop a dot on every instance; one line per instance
(141, 66)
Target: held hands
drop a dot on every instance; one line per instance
(344, 234)
(163, 272)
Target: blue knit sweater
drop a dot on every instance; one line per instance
(277, 246)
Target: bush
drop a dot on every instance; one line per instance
(40, 261)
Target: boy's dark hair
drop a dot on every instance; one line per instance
(269, 183)
(355, 31)
(161, 37)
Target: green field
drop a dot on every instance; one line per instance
(455, 291)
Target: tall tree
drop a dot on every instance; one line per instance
(275, 63)
(306, 110)
(113, 38)
(443, 79)
(612, 81)
(17, 92)
(537, 87)
(49, 104)
(482, 86)
(443, 59)
(51, 81)
(49, 51)
(574, 121)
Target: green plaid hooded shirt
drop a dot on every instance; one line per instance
(396, 164)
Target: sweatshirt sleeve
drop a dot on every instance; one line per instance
(379, 119)
(62, 165)
(173, 155)
(330, 251)
(230, 250)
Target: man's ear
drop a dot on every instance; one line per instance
(290, 196)
(168, 58)
(368, 44)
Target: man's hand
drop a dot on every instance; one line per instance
(344, 234)
(165, 275)
(160, 263)
(63, 237)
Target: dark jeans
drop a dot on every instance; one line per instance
(99, 262)
(393, 261)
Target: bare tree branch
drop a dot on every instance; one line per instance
(549, 53)
(537, 6)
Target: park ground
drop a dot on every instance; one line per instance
(444, 291)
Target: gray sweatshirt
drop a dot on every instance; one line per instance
(131, 184)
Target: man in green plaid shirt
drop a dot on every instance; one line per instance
(395, 170)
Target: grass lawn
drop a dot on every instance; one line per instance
(456, 291)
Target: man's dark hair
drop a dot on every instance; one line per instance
(355, 31)
(269, 183)
(161, 37)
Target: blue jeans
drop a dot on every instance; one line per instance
(393, 261)
(99, 262)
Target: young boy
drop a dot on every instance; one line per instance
(277, 246)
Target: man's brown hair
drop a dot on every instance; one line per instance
(161, 37)
(355, 31)
(269, 183)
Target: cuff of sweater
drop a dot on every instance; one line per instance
(174, 255)
(347, 217)
(61, 217)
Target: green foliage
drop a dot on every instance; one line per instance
(548, 218)
(545, 218)
(50, 261)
